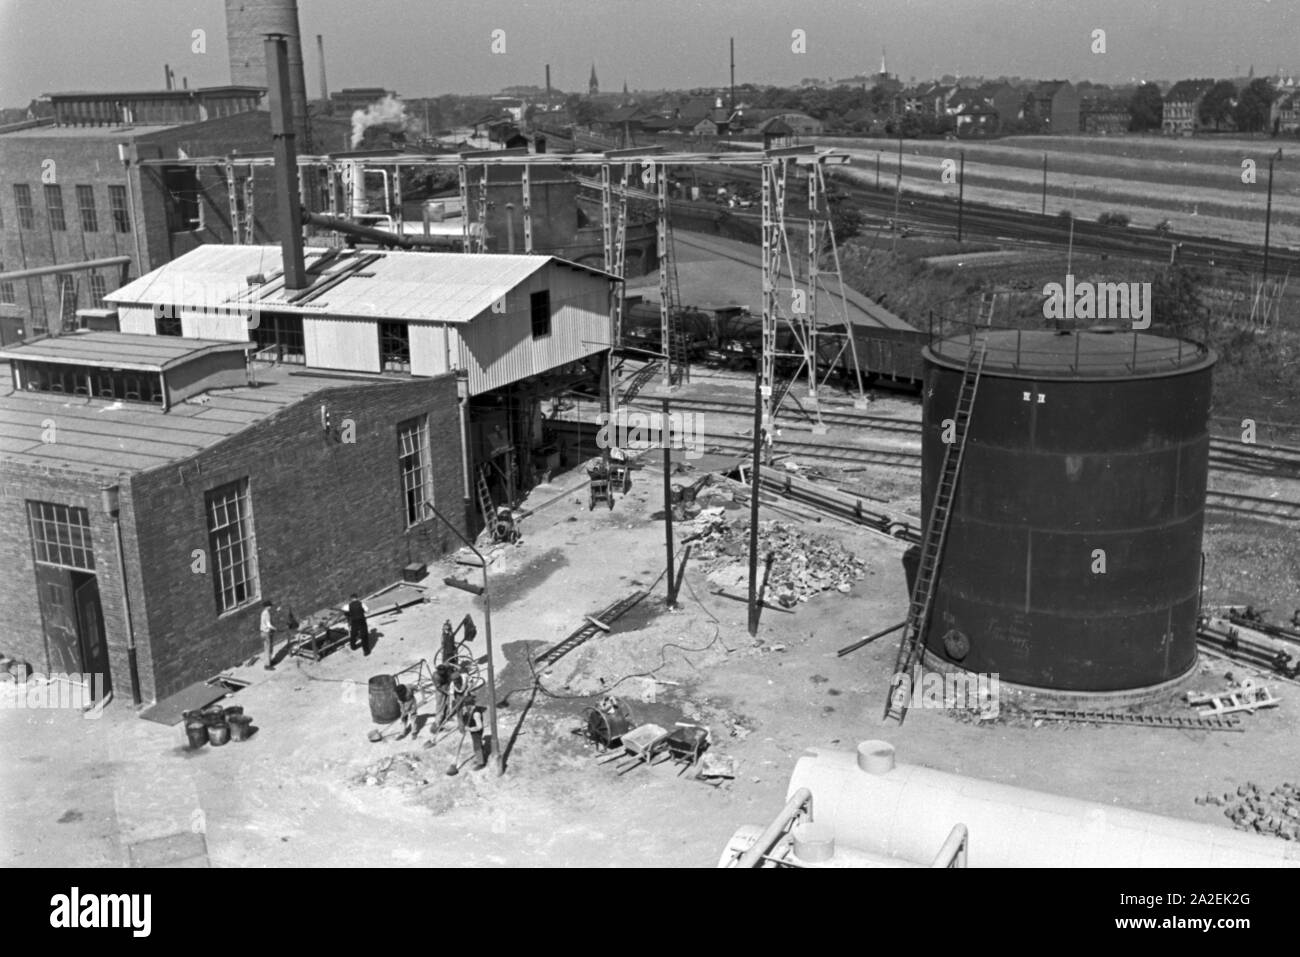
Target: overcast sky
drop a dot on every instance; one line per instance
(430, 47)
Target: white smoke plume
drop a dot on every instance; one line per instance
(390, 111)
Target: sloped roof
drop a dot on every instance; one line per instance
(118, 350)
(1189, 90)
(776, 126)
(412, 286)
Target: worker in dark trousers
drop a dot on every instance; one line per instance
(471, 722)
(448, 643)
(268, 635)
(359, 629)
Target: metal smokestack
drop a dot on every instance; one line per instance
(548, 86)
(733, 74)
(167, 76)
(289, 209)
(324, 87)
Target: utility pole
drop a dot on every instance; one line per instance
(961, 190)
(1268, 211)
(1069, 255)
(668, 508)
(898, 189)
(753, 509)
(1044, 184)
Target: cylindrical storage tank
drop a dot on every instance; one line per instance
(1073, 554)
(907, 812)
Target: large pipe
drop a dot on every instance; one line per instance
(65, 267)
(289, 206)
(339, 224)
(110, 497)
(905, 811)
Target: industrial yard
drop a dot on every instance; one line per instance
(646, 480)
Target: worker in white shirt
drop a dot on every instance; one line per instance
(268, 635)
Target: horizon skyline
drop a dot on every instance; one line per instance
(41, 55)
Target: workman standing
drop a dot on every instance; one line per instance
(471, 721)
(448, 643)
(268, 635)
(359, 629)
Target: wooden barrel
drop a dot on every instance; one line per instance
(385, 707)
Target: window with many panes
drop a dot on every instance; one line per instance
(61, 535)
(8, 295)
(86, 204)
(117, 204)
(167, 324)
(98, 287)
(540, 305)
(23, 203)
(36, 303)
(282, 336)
(54, 206)
(417, 467)
(394, 347)
(234, 549)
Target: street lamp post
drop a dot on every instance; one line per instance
(487, 629)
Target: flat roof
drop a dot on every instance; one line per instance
(410, 286)
(105, 438)
(1100, 352)
(118, 350)
(83, 132)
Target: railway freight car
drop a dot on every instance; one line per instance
(733, 338)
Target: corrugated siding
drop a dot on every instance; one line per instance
(136, 319)
(429, 345)
(499, 348)
(213, 325)
(342, 344)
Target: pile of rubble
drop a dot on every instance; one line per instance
(803, 565)
(399, 770)
(1250, 809)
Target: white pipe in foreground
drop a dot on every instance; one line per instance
(904, 811)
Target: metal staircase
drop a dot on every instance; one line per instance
(936, 533)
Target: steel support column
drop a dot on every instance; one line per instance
(463, 176)
(528, 214)
(665, 306)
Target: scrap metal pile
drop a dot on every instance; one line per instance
(1250, 809)
(803, 565)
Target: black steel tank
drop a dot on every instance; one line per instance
(1073, 555)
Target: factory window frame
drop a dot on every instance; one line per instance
(117, 203)
(395, 347)
(8, 294)
(234, 547)
(167, 324)
(98, 288)
(86, 204)
(283, 334)
(54, 206)
(186, 195)
(36, 303)
(417, 467)
(539, 304)
(23, 203)
(61, 535)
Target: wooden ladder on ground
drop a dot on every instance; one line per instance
(936, 534)
(485, 498)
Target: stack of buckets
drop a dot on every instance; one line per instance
(216, 725)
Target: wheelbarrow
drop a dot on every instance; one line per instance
(687, 744)
(639, 746)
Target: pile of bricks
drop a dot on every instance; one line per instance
(1276, 813)
(803, 565)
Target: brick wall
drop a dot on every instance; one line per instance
(329, 519)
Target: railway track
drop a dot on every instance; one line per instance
(1252, 505)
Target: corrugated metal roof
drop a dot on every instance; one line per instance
(118, 350)
(101, 437)
(413, 286)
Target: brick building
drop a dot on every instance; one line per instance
(229, 493)
(1182, 107)
(1056, 104)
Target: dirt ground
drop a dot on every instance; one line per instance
(78, 792)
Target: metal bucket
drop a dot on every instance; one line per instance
(218, 734)
(196, 733)
(240, 727)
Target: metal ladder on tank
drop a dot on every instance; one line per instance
(936, 534)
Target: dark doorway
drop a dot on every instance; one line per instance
(90, 632)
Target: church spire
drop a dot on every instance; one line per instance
(593, 86)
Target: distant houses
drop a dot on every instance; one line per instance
(1183, 107)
